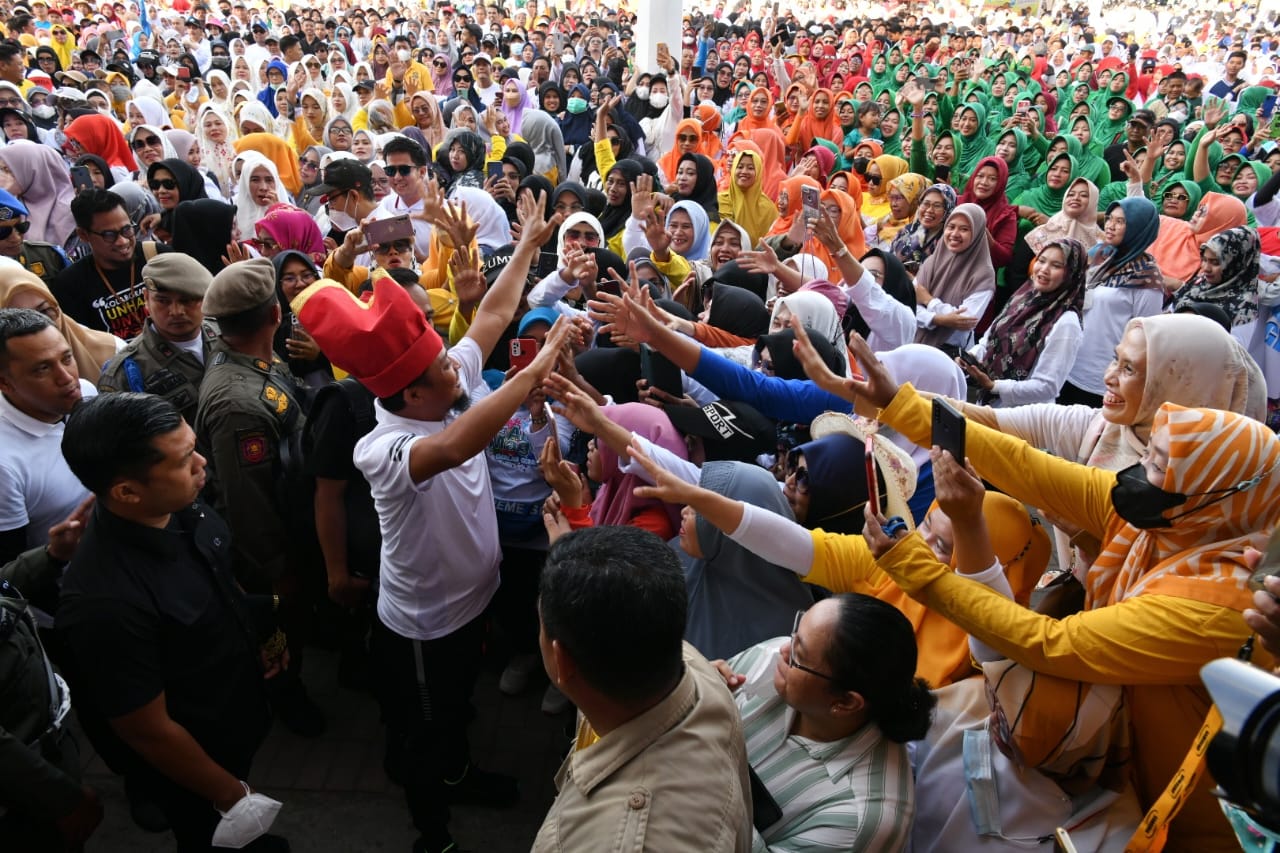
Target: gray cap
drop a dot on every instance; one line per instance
(175, 272)
(240, 287)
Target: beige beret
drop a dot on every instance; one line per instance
(175, 272)
(240, 287)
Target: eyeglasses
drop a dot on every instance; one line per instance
(6, 230)
(292, 280)
(339, 130)
(932, 205)
(309, 164)
(1177, 197)
(401, 171)
(149, 142)
(582, 236)
(113, 235)
(791, 656)
(267, 244)
(163, 184)
(11, 103)
(399, 247)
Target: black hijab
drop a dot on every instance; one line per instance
(897, 283)
(738, 311)
(298, 366)
(785, 363)
(190, 181)
(734, 275)
(108, 179)
(202, 229)
(704, 189)
(615, 216)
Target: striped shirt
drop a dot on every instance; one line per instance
(854, 794)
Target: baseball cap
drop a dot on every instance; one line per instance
(343, 176)
(730, 430)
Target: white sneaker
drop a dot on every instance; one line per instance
(554, 702)
(515, 678)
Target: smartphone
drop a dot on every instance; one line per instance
(523, 351)
(873, 482)
(765, 811)
(383, 231)
(609, 286)
(548, 262)
(184, 73)
(1023, 108)
(660, 372)
(1268, 106)
(941, 173)
(81, 179)
(948, 429)
(970, 359)
(1062, 842)
(1269, 564)
(809, 197)
(495, 170)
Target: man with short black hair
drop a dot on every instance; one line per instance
(39, 386)
(660, 755)
(406, 166)
(291, 49)
(12, 67)
(103, 290)
(162, 643)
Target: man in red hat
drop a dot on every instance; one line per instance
(427, 472)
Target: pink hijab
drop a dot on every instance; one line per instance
(615, 502)
(294, 229)
(45, 189)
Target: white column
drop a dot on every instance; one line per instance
(657, 21)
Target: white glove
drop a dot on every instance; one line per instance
(248, 819)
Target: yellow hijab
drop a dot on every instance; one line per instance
(748, 207)
(875, 204)
(90, 348)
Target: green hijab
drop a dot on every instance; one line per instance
(1044, 198)
(978, 145)
(893, 144)
(1106, 129)
(1193, 190)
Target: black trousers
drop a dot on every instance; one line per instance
(515, 605)
(425, 688)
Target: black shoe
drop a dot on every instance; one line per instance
(481, 788)
(299, 713)
(268, 844)
(144, 810)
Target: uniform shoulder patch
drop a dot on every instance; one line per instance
(276, 400)
(251, 446)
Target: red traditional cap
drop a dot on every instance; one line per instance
(384, 340)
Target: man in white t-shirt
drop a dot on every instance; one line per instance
(427, 472)
(39, 386)
(406, 167)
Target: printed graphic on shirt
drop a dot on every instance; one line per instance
(123, 312)
(511, 446)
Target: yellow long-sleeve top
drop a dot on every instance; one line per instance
(604, 162)
(1153, 645)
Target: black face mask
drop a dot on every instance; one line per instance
(1140, 503)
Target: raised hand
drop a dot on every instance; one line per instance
(913, 93)
(958, 488)
(535, 227)
(574, 404)
(561, 476)
(468, 281)
(667, 487)
(824, 228)
(553, 518)
(879, 387)
(764, 260)
(642, 200)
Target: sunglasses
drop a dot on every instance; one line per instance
(401, 171)
(440, 63)
(575, 234)
(163, 184)
(801, 475)
(309, 164)
(7, 230)
(149, 142)
(462, 79)
(399, 247)
(688, 137)
(875, 179)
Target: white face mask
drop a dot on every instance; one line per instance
(403, 55)
(642, 92)
(341, 220)
(658, 100)
(44, 111)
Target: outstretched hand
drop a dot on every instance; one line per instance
(879, 387)
(667, 487)
(815, 368)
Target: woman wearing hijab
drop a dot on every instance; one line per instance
(919, 239)
(98, 134)
(1026, 353)
(1124, 282)
(259, 189)
(986, 189)
(171, 182)
(695, 181)
(975, 144)
(202, 229)
(744, 202)
(1176, 248)
(1228, 278)
(287, 228)
(955, 285)
(618, 182)
(493, 230)
(1163, 598)
(819, 121)
(38, 177)
(98, 170)
(881, 171)
(904, 193)
(818, 314)
(791, 202)
(282, 157)
(91, 349)
(688, 141)
(1076, 220)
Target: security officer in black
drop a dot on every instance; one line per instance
(44, 259)
(169, 357)
(43, 805)
(249, 426)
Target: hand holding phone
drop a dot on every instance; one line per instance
(810, 197)
(873, 482)
(948, 429)
(523, 351)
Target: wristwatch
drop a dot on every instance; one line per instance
(894, 526)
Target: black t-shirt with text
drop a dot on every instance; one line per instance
(106, 300)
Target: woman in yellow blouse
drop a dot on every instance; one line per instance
(1164, 596)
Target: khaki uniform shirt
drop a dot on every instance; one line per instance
(150, 364)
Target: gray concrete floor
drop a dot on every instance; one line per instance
(335, 794)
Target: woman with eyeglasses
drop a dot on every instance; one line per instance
(295, 272)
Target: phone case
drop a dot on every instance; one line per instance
(948, 429)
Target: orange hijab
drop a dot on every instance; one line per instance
(671, 160)
(774, 151)
(749, 122)
(809, 127)
(711, 121)
(1177, 248)
(1021, 545)
(277, 151)
(788, 212)
(849, 226)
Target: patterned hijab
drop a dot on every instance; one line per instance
(1229, 467)
(915, 242)
(911, 186)
(1020, 331)
(1083, 227)
(1238, 250)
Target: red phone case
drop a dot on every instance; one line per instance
(873, 482)
(523, 351)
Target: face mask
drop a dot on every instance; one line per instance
(658, 100)
(642, 92)
(44, 111)
(1178, 115)
(1139, 502)
(402, 55)
(341, 220)
(577, 105)
(568, 58)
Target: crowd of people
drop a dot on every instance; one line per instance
(453, 334)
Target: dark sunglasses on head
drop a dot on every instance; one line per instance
(149, 142)
(400, 171)
(162, 184)
(7, 230)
